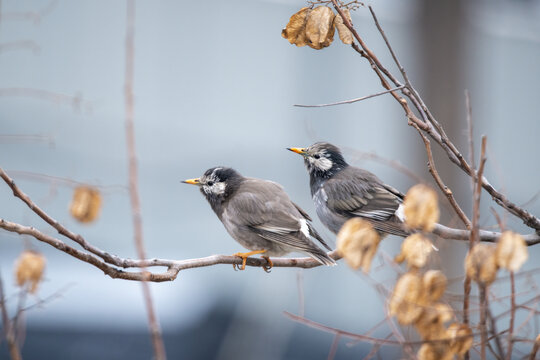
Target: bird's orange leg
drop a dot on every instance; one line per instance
(244, 257)
(270, 264)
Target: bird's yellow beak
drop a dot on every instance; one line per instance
(301, 151)
(192, 181)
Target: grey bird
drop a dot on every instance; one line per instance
(341, 192)
(259, 215)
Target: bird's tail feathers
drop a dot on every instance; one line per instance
(323, 258)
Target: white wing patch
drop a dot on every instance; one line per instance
(304, 228)
(400, 213)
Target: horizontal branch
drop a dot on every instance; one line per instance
(113, 265)
(484, 235)
(116, 271)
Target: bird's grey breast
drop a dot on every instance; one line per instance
(329, 218)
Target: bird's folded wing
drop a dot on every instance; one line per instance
(354, 198)
(272, 215)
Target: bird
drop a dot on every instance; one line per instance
(260, 216)
(341, 192)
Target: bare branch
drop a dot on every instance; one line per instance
(57, 98)
(173, 266)
(432, 127)
(352, 100)
(8, 326)
(445, 189)
(155, 330)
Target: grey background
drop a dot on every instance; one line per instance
(214, 85)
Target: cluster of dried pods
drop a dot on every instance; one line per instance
(316, 27)
(416, 298)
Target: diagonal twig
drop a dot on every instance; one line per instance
(352, 100)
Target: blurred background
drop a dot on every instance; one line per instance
(215, 84)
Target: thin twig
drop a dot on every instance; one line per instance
(53, 97)
(445, 189)
(364, 338)
(8, 326)
(535, 348)
(493, 329)
(155, 330)
(470, 133)
(512, 316)
(334, 347)
(352, 100)
(482, 325)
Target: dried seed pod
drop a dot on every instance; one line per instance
(404, 302)
(344, 33)
(430, 325)
(295, 31)
(434, 285)
(421, 208)
(461, 338)
(29, 269)
(357, 242)
(320, 27)
(86, 204)
(434, 351)
(415, 249)
(511, 251)
(480, 264)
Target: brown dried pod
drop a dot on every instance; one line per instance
(430, 325)
(461, 338)
(345, 34)
(415, 249)
(86, 204)
(295, 31)
(434, 285)
(421, 207)
(434, 351)
(511, 251)
(357, 242)
(404, 302)
(480, 264)
(320, 27)
(29, 269)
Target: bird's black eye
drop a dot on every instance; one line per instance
(210, 183)
(316, 156)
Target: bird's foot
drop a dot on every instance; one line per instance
(244, 257)
(267, 267)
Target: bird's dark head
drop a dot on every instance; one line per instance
(217, 183)
(322, 159)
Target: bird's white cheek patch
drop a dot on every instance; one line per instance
(322, 163)
(304, 228)
(217, 188)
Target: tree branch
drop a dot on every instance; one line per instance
(173, 266)
(430, 125)
(352, 100)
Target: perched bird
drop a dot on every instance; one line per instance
(259, 215)
(341, 192)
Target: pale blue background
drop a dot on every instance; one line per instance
(214, 85)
